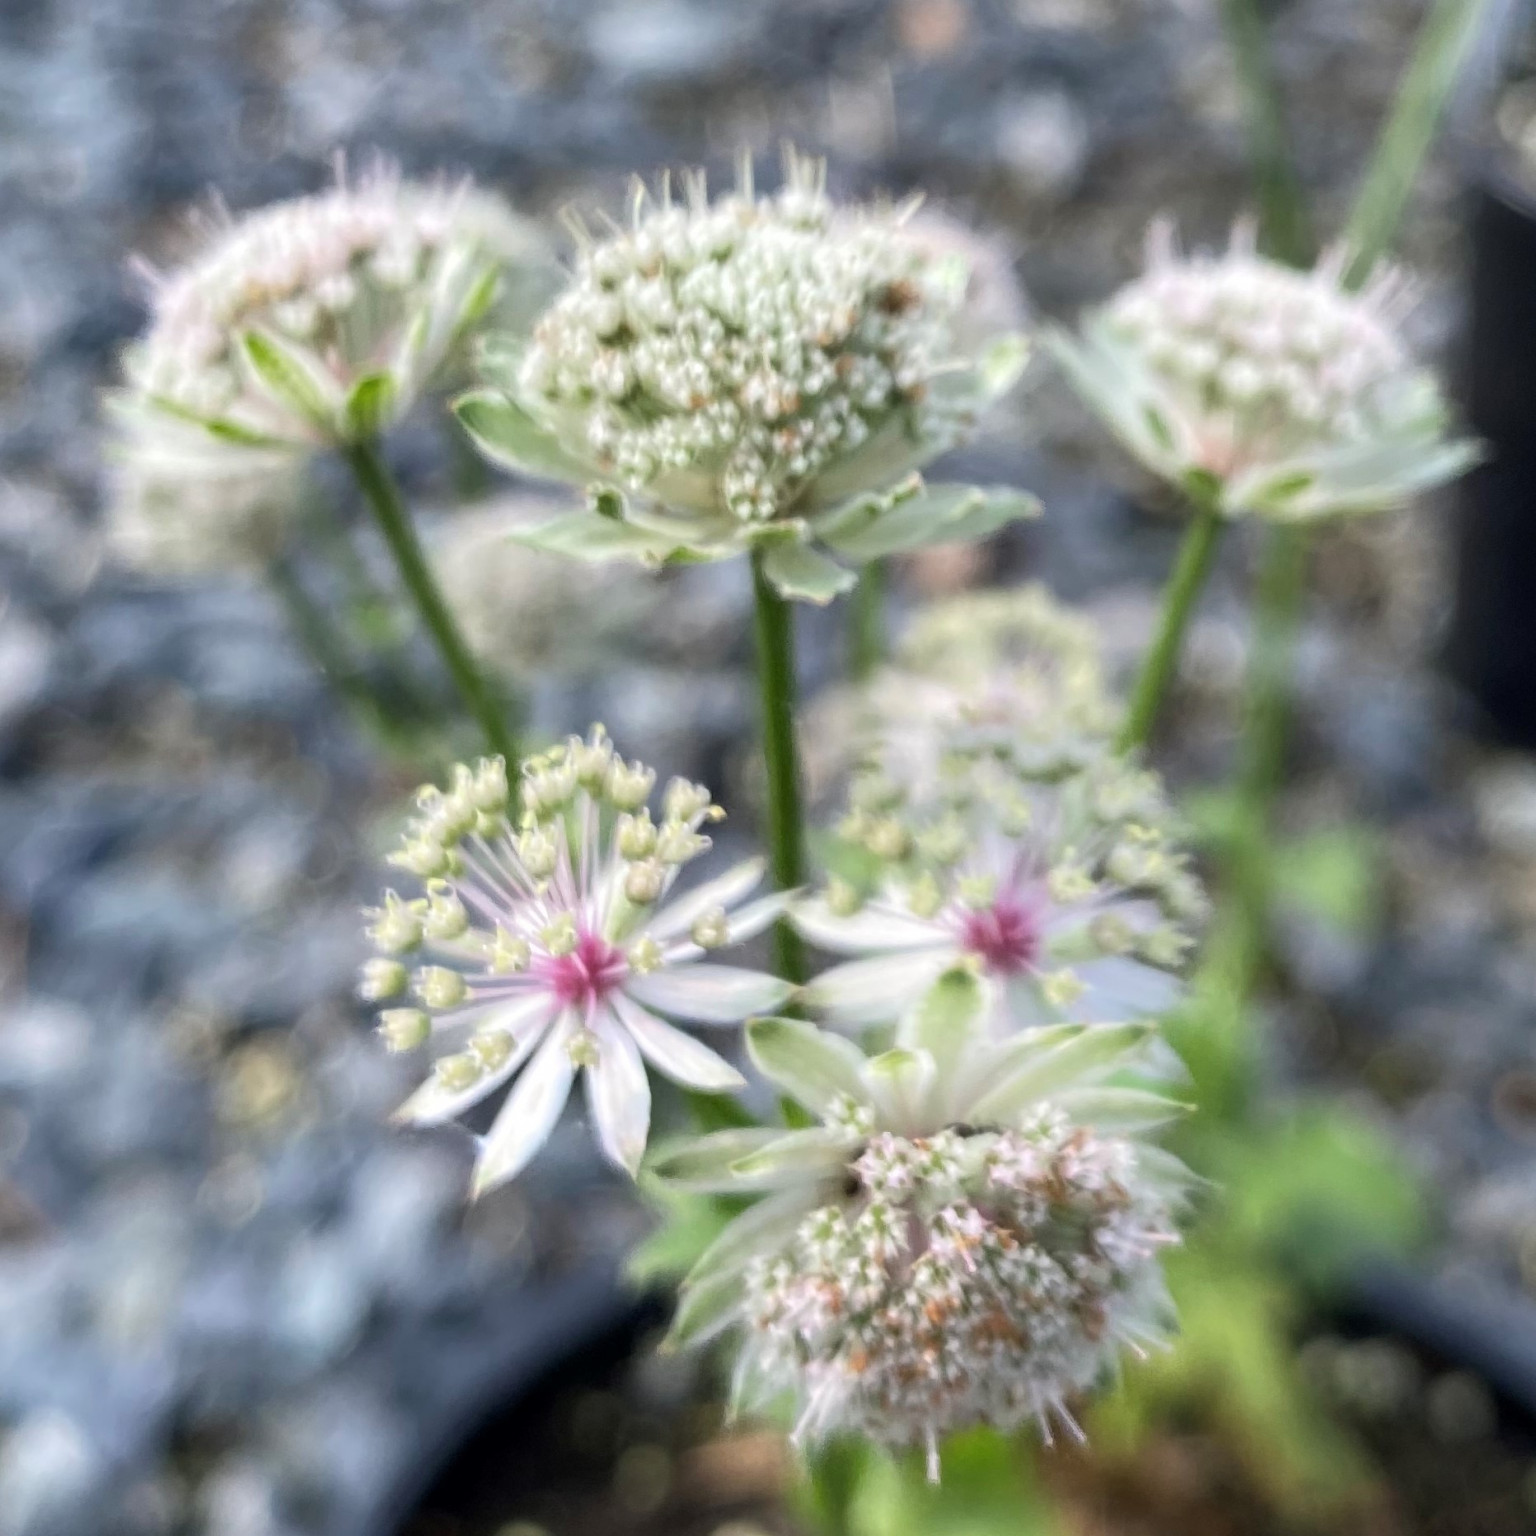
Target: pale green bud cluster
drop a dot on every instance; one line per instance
(724, 354)
(1279, 361)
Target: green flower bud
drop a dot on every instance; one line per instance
(459, 1071)
(396, 926)
(491, 1048)
(404, 1029)
(380, 978)
(446, 918)
(509, 953)
(637, 835)
(629, 784)
(439, 987)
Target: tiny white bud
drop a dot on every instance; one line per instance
(643, 882)
(645, 955)
(711, 930)
(439, 987)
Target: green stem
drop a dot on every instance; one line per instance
(1410, 129)
(1278, 599)
(1162, 660)
(776, 682)
(1285, 230)
(383, 498)
(866, 622)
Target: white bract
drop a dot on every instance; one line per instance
(1265, 389)
(310, 324)
(969, 1236)
(552, 948)
(1066, 895)
(753, 371)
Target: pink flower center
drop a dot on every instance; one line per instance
(1006, 935)
(588, 974)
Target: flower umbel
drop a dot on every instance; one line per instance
(970, 1236)
(551, 941)
(756, 369)
(1280, 392)
(1067, 896)
(313, 323)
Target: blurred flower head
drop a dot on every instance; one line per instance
(1265, 389)
(525, 612)
(552, 947)
(1011, 673)
(312, 323)
(969, 1236)
(1067, 896)
(207, 513)
(753, 370)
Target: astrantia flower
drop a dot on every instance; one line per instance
(204, 513)
(526, 612)
(316, 322)
(1269, 390)
(552, 949)
(753, 371)
(969, 1237)
(1067, 896)
(1013, 674)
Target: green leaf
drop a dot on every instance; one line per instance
(703, 1164)
(793, 1155)
(689, 1225)
(370, 406)
(942, 1022)
(704, 1310)
(1071, 1061)
(813, 1065)
(584, 535)
(758, 1228)
(291, 378)
(1119, 1111)
(799, 572)
(506, 434)
(872, 527)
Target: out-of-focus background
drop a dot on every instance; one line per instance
(231, 1301)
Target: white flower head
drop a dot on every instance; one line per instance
(1014, 673)
(316, 322)
(1066, 895)
(526, 612)
(1274, 391)
(752, 370)
(969, 1237)
(552, 947)
(203, 513)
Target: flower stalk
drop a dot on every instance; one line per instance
(866, 622)
(384, 501)
(775, 633)
(1162, 659)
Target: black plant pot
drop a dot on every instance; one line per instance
(588, 1331)
(1492, 645)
